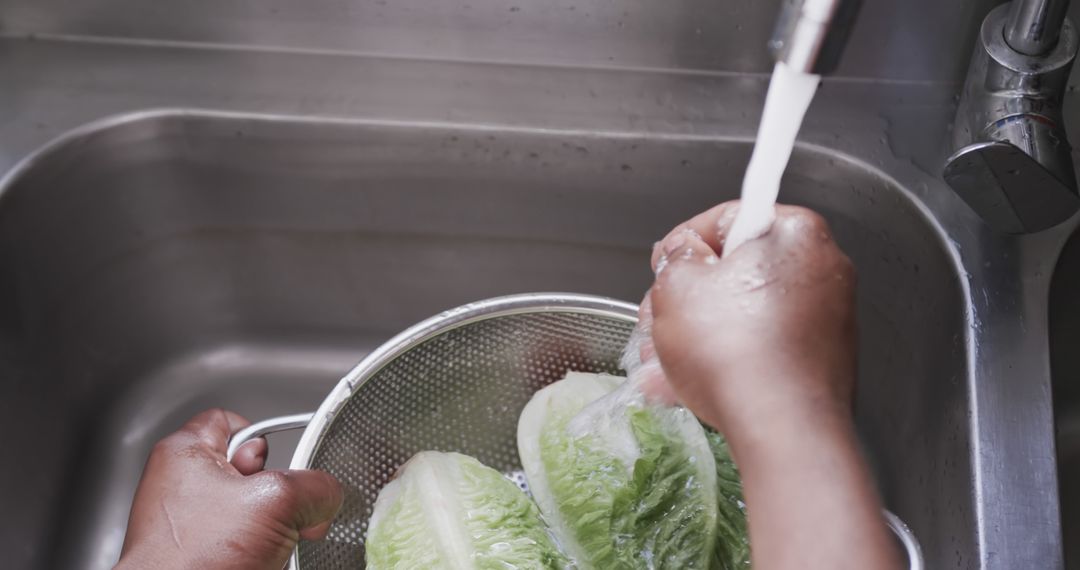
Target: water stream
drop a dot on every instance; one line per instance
(790, 93)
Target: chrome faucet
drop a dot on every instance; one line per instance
(1012, 162)
(810, 34)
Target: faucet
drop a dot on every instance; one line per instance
(1012, 162)
(810, 34)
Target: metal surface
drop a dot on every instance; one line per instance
(456, 382)
(1064, 325)
(313, 233)
(915, 40)
(1013, 164)
(165, 262)
(909, 543)
(810, 35)
(1033, 26)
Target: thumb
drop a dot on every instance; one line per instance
(309, 500)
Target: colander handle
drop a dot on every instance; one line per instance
(259, 429)
(907, 540)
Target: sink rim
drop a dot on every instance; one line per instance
(108, 122)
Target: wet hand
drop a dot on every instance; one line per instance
(194, 509)
(766, 332)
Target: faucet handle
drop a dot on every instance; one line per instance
(1014, 165)
(1012, 191)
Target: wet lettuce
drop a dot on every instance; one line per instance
(449, 511)
(732, 549)
(625, 484)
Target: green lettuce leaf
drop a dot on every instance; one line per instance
(732, 550)
(449, 511)
(634, 487)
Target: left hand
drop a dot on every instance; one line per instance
(194, 509)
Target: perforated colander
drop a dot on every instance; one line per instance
(455, 382)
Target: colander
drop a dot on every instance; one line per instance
(455, 382)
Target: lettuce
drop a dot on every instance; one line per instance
(447, 510)
(624, 485)
(732, 550)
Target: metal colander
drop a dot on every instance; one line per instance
(455, 382)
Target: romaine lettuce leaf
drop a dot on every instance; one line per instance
(636, 487)
(449, 511)
(732, 550)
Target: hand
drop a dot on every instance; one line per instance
(761, 345)
(193, 509)
(766, 332)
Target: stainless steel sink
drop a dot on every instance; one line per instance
(439, 152)
(1065, 362)
(161, 263)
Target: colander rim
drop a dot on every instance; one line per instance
(523, 303)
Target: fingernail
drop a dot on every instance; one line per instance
(675, 242)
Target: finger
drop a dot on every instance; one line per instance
(310, 498)
(214, 428)
(691, 246)
(250, 458)
(692, 249)
(799, 222)
(676, 240)
(647, 351)
(714, 224)
(317, 532)
(685, 270)
(711, 225)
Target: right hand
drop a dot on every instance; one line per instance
(766, 332)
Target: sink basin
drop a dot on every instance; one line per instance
(1065, 371)
(158, 264)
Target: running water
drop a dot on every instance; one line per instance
(790, 93)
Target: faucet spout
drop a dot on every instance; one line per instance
(1033, 26)
(810, 34)
(1012, 162)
